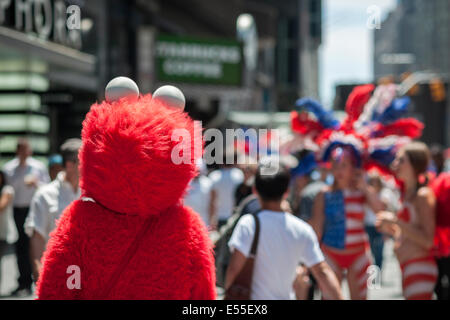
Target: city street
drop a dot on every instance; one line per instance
(136, 133)
(9, 276)
(390, 286)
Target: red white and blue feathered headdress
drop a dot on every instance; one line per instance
(374, 128)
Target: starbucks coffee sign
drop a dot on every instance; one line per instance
(47, 19)
(197, 60)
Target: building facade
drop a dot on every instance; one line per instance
(56, 56)
(415, 39)
(48, 71)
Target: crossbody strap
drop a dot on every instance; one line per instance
(126, 258)
(110, 284)
(256, 237)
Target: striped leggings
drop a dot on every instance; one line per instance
(356, 265)
(419, 278)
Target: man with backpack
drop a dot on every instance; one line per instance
(283, 242)
(248, 205)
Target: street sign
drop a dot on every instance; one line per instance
(198, 60)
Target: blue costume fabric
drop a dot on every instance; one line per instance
(305, 166)
(334, 231)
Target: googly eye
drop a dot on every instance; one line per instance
(171, 96)
(121, 87)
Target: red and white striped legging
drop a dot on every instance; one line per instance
(419, 278)
(356, 265)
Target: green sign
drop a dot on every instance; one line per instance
(202, 61)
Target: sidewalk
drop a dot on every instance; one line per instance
(390, 287)
(9, 277)
(391, 283)
(391, 278)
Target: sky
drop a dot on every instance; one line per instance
(345, 55)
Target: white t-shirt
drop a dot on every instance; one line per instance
(16, 176)
(48, 204)
(198, 197)
(284, 242)
(8, 231)
(224, 182)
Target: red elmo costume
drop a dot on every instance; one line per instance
(130, 234)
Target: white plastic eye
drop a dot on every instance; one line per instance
(171, 96)
(120, 87)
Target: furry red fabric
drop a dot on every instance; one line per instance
(126, 167)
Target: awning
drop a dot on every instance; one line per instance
(51, 52)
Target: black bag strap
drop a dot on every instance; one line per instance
(241, 287)
(256, 237)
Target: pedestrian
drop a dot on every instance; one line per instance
(8, 233)
(438, 159)
(284, 241)
(414, 227)
(338, 219)
(224, 183)
(248, 167)
(305, 189)
(25, 174)
(55, 165)
(390, 203)
(50, 201)
(198, 196)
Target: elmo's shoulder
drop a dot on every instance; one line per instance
(202, 258)
(197, 227)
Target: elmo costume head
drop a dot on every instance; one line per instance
(126, 159)
(130, 235)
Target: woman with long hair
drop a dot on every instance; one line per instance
(338, 219)
(413, 228)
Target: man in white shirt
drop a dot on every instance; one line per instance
(285, 241)
(25, 174)
(224, 184)
(50, 201)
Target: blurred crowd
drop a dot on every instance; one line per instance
(222, 196)
(33, 197)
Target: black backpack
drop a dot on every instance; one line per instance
(249, 205)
